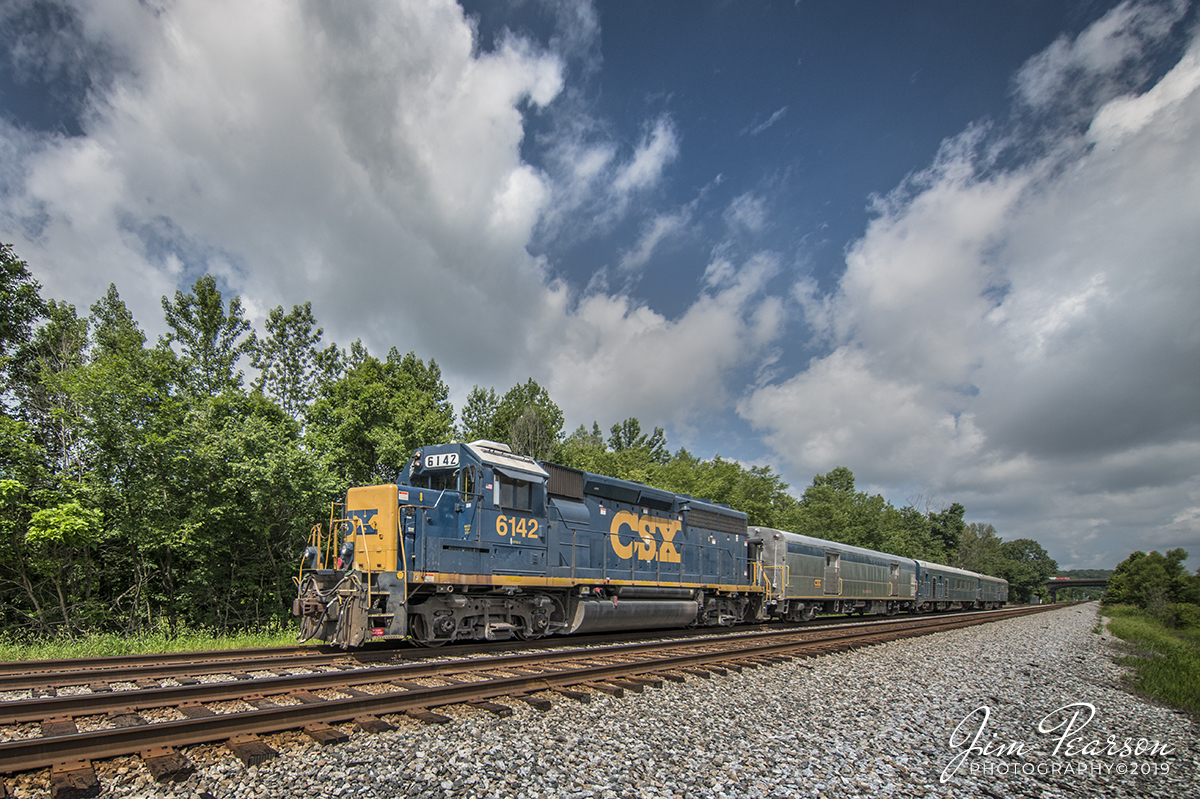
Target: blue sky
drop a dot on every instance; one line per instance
(952, 246)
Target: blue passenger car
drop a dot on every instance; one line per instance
(946, 588)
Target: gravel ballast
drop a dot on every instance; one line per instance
(901, 719)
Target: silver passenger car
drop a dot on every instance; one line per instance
(805, 575)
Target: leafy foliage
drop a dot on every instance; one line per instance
(20, 306)
(1157, 584)
(1026, 566)
(1165, 657)
(369, 421)
(291, 368)
(144, 491)
(209, 336)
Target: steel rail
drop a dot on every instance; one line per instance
(159, 659)
(37, 709)
(63, 679)
(26, 675)
(23, 755)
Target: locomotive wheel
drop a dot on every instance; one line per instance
(808, 614)
(524, 635)
(421, 635)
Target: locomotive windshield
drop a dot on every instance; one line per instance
(438, 481)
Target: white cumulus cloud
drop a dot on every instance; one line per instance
(1025, 340)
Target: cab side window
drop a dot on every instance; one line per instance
(466, 482)
(515, 494)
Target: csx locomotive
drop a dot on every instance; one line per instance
(474, 542)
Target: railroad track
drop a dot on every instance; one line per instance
(363, 693)
(45, 677)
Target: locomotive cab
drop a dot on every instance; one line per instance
(406, 546)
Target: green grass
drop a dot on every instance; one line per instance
(1165, 660)
(109, 644)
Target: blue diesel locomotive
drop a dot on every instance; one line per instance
(474, 542)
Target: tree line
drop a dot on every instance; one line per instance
(148, 485)
(1159, 585)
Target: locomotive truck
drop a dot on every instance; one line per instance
(475, 542)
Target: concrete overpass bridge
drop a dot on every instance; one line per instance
(1055, 583)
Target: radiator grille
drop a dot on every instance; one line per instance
(720, 522)
(564, 481)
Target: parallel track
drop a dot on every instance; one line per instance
(405, 688)
(45, 675)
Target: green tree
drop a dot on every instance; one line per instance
(291, 367)
(245, 497)
(20, 306)
(478, 415)
(586, 450)
(369, 421)
(1026, 566)
(979, 549)
(130, 413)
(947, 526)
(627, 435)
(1153, 582)
(61, 541)
(832, 509)
(523, 397)
(25, 484)
(56, 350)
(210, 337)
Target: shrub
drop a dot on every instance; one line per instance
(1185, 615)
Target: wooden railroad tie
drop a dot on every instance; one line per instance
(536, 702)
(325, 734)
(372, 724)
(167, 765)
(119, 719)
(195, 710)
(606, 688)
(628, 685)
(59, 725)
(427, 717)
(579, 696)
(250, 749)
(73, 780)
(306, 697)
(357, 693)
(501, 711)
